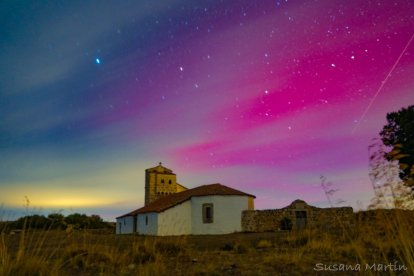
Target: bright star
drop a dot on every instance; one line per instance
(98, 61)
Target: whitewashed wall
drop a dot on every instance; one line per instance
(176, 220)
(125, 225)
(226, 214)
(147, 229)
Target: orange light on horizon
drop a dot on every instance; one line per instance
(73, 202)
(51, 200)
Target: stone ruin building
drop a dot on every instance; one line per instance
(298, 215)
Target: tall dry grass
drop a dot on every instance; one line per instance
(382, 240)
(55, 252)
(377, 238)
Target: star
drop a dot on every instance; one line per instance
(97, 61)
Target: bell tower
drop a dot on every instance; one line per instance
(159, 182)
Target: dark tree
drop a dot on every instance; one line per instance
(32, 222)
(399, 134)
(96, 222)
(80, 221)
(57, 221)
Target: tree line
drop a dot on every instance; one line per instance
(59, 222)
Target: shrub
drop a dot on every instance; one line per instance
(227, 247)
(168, 248)
(263, 244)
(241, 248)
(141, 255)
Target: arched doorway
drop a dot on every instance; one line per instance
(286, 224)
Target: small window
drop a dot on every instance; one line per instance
(169, 181)
(208, 213)
(146, 220)
(162, 180)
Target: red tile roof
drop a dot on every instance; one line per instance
(169, 201)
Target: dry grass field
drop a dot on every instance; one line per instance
(381, 243)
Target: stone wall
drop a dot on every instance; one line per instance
(380, 219)
(296, 216)
(341, 217)
(261, 220)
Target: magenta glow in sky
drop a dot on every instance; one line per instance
(262, 96)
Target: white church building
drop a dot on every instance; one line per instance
(172, 209)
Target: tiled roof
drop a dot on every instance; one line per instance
(169, 201)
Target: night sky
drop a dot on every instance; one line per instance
(262, 96)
